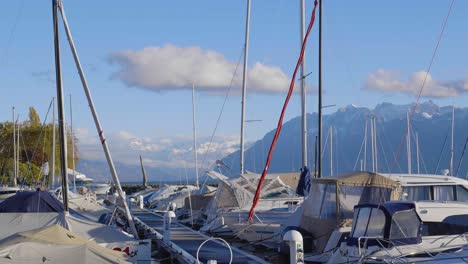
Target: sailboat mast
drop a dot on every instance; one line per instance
(102, 137)
(365, 147)
(53, 144)
(451, 147)
(408, 142)
(194, 135)
(13, 181)
(72, 145)
(331, 151)
(319, 163)
(244, 87)
(61, 116)
(372, 143)
(17, 149)
(417, 152)
(376, 148)
(303, 91)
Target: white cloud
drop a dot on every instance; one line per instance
(166, 152)
(391, 81)
(171, 68)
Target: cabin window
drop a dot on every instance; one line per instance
(405, 224)
(452, 225)
(361, 221)
(416, 193)
(462, 194)
(368, 222)
(376, 224)
(328, 209)
(443, 193)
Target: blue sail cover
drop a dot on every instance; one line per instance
(31, 202)
(303, 186)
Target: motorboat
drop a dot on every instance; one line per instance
(407, 232)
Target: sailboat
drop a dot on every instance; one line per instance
(279, 198)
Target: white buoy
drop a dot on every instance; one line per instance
(167, 225)
(211, 261)
(141, 200)
(296, 247)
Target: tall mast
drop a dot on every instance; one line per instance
(372, 143)
(408, 142)
(376, 151)
(61, 116)
(303, 91)
(194, 134)
(319, 163)
(52, 183)
(451, 148)
(17, 149)
(417, 152)
(244, 87)
(102, 137)
(13, 181)
(72, 145)
(365, 147)
(331, 151)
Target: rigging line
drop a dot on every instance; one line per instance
(280, 121)
(36, 145)
(391, 149)
(221, 111)
(379, 140)
(12, 31)
(442, 151)
(461, 158)
(434, 53)
(359, 155)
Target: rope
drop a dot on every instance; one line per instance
(221, 113)
(280, 121)
(36, 146)
(434, 53)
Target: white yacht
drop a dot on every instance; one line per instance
(407, 232)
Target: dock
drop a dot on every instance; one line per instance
(184, 241)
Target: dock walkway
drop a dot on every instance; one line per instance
(185, 241)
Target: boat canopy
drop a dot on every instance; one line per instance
(332, 199)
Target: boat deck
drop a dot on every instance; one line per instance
(188, 240)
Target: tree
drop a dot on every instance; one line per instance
(34, 120)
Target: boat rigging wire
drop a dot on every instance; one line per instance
(221, 112)
(434, 53)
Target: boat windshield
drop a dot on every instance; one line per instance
(368, 222)
(405, 224)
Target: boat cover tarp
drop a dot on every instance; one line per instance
(54, 244)
(31, 201)
(331, 201)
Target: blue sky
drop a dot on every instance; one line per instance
(373, 51)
